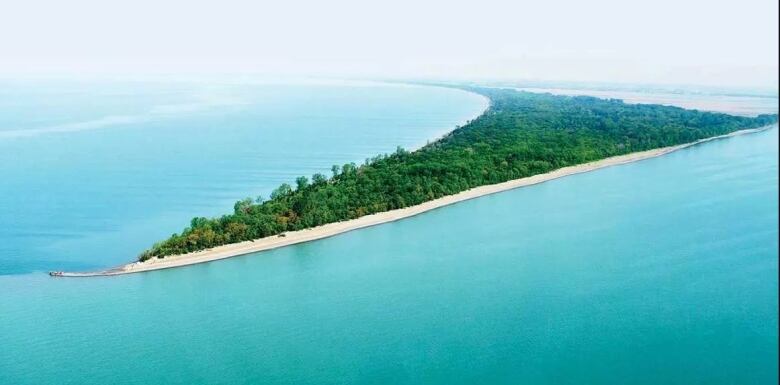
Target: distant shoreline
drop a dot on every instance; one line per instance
(332, 229)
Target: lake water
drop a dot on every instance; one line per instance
(661, 271)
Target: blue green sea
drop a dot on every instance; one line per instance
(663, 271)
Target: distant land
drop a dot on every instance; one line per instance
(522, 138)
(648, 89)
(744, 105)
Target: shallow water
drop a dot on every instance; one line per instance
(661, 271)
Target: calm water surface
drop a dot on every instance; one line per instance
(93, 173)
(662, 271)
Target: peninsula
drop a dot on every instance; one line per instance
(522, 139)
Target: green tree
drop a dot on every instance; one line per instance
(301, 183)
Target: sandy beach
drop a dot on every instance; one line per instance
(329, 230)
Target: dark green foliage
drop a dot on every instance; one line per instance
(522, 134)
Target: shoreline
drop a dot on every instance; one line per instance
(332, 229)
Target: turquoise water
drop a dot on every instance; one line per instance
(662, 271)
(93, 173)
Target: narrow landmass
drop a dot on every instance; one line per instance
(521, 139)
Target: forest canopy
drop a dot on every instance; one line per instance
(520, 135)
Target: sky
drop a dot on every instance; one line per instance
(714, 42)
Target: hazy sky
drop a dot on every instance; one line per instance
(713, 42)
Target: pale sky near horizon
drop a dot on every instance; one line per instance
(716, 42)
